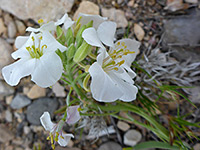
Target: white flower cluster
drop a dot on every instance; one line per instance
(112, 76)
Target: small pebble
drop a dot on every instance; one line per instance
(21, 28)
(20, 101)
(132, 137)
(8, 116)
(123, 125)
(12, 31)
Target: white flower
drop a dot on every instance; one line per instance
(51, 26)
(97, 20)
(37, 58)
(105, 34)
(110, 81)
(56, 133)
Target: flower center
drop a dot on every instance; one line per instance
(36, 52)
(115, 58)
(55, 133)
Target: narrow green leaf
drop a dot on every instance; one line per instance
(155, 144)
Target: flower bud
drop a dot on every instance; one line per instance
(82, 52)
(60, 35)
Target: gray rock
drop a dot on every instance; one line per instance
(12, 30)
(20, 101)
(37, 9)
(182, 36)
(5, 57)
(110, 146)
(5, 134)
(5, 89)
(21, 28)
(8, 116)
(116, 15)
(36, 109)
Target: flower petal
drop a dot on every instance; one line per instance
(20, 41)
(51, 43)
(62, 20)
(65, 141)
(129, 90)
(14, 72)
(66, 20)
(106, 32)
(91, 37)
(22, 51)
(50, 26)
(103, 88)
(133, 46)
(48, 70)
(46, 122)
(73, 114)
(97, 20)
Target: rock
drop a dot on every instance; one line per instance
(191, 1)
(110, 146)
(9, 99)
(131, 3)
(58, 90)
(182, 36)
(36, 109)
(7, 18)
(36, 92)
(8, 116)
(20, 101)
(9, 148)
(12, 31)
(5, 134)
(66, 148)
(132, 137)
(5, 57)
(139, 32)
(21, 28)
(115, 15)
(123, 125)
(197, 146)
(83, 8)
(5, 89)
(26, 130)
(37, 9)
(195, 95)
(2, 27)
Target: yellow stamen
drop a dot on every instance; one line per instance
(40, 21)
(33, 39)
(56, 137)
(118, 43)
(53, 146)
(123, 44)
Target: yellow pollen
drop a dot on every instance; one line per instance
(118, 43)
(79, 109)
(120, 56)
(40, 37)
(121, 62)
(40, 21)
(52, 146)
(62, 137)
(33, 38)
(116, 68)
(48, 138)
(123, 44)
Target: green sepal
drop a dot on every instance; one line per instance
(69, 37)
(60, 35)
(82, 52)
(89, 24)
(71, 51)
